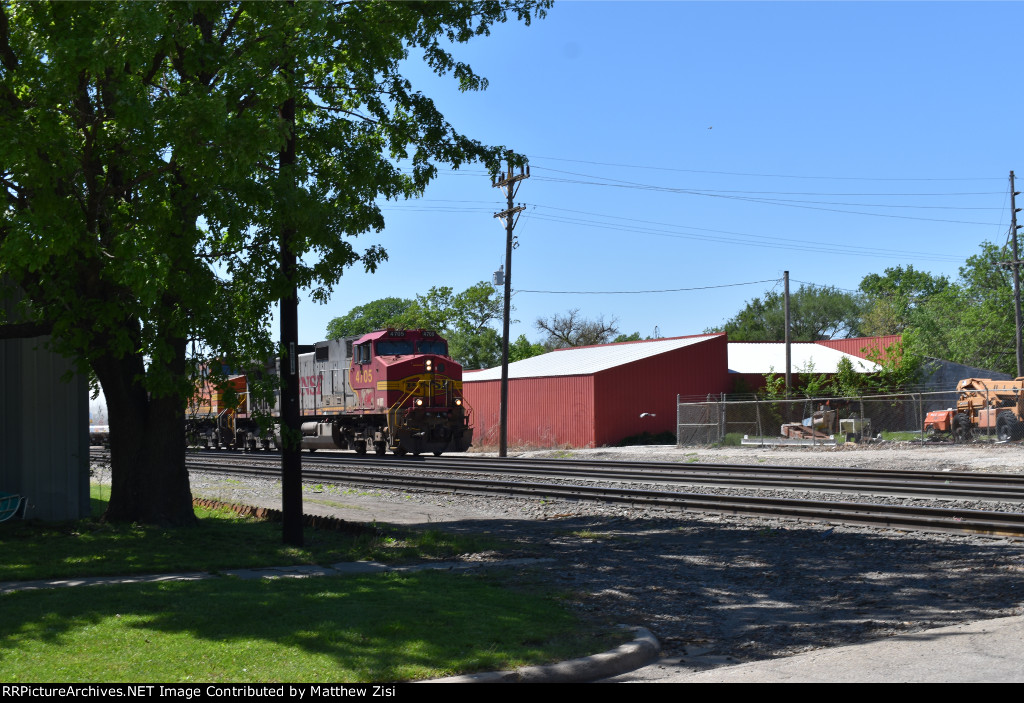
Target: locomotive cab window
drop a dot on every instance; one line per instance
(363, 353)
(432, 346)
(394, 347)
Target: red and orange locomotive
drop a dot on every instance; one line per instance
(394, 389)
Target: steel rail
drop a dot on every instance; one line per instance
(923, 484)
(1002, 524)
(470, 463)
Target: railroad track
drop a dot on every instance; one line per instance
(935, 485)
(578, 479)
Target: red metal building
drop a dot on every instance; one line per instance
(596, 396)
(860, 346)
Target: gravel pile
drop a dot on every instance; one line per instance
(725, 589)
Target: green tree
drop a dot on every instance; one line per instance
(972, 320)
(848, 381)
(463, 318)
(900, 367)
(893, 298)
(143, 200)
(362, 319)
(522, 348)
(815, 313)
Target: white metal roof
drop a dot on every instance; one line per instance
(764, 357)
(583, 361)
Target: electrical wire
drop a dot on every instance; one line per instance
(633, 292)
(759, 175)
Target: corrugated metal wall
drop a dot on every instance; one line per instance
(650, 386)
(854, 346)
(542, 412)
(44, 430)
(588, 411)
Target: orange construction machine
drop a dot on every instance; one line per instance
(982, 404)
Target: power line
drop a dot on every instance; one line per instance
(634, 292)
(760, 175)
(615, 183)
(732, 237)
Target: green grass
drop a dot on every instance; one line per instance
(222, 540)
(352, 629)
(901, 436)
(732, 439)
(384, 627)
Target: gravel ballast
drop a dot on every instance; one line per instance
(722, 589)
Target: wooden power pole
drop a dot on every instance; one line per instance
(1015, 266)
(507, 182)
(291, 435)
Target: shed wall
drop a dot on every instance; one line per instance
(44, 431)
(650, 386)
(603, 408)
(855, 345)
(542, 412)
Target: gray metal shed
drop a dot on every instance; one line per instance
(44, 429)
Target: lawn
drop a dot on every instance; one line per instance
(222, 540)
(384, 627)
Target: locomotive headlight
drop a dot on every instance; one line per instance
(430, 364)
(458, 401)
(419, 401)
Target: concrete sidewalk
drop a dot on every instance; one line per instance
(984, 651)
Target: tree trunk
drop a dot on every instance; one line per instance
(147, 445)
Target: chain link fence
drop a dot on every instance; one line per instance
(823, 421)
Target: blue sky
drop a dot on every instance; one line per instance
(699, 144)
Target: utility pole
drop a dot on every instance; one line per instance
(1016, 276)
(508, 183)
(789, 355)
(291, 436)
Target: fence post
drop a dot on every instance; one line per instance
(921, 416)
(721, 418)
(679, 436)
(757, 414)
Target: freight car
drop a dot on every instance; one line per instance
(394, 389)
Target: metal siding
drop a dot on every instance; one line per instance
(44, 429)
(10, 413)
(600, 409)
(54, 436)
(543, 412)
(854, 346)
(651, 386)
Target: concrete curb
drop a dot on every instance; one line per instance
(641, 651)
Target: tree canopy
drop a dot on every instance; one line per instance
(892, 298)
(362, 319)
(971, 321)
(815, 313)
(463, 318)
(143, 198)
